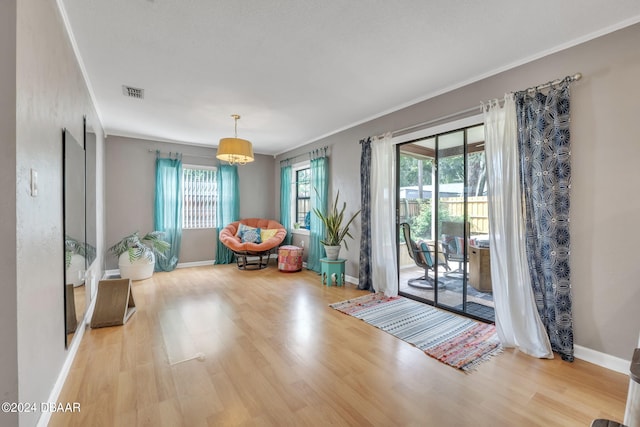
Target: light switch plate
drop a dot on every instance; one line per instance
(34, 183)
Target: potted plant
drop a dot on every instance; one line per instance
(137, 256)
(335, 230)
(76, 254)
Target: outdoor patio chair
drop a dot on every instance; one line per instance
(422, 255)
(453, 244)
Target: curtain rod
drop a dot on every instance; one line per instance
(170, 153)
(573, 78)
(428, 123)
(424, 125)
(288, 159)
(310, 153)
(533, 89)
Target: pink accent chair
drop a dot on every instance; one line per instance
(263, 250)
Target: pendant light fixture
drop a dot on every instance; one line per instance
(235, 150)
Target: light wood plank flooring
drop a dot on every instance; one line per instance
(276, 354)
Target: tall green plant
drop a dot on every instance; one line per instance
(335, 231)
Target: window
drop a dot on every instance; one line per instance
(442, 195)
(302, 194)
(199, 197)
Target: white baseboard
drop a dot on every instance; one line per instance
(43, 421)
(602, 359)
(116, 272)
(347, 278)
(195, 264)
(110, 273)
(351, 279)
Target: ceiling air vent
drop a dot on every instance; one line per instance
(133, 92)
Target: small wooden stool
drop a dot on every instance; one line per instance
(289, 258)
(332, 269)
(114, 303)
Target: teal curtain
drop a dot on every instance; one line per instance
(227, 206)
(285, 200)
(167, 216)
(320, 186)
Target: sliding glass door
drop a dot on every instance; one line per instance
(451, 231)
(417, 234)
(443, 232)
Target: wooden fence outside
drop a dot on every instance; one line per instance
(477, 210)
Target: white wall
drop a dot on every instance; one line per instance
(51, 95)
(605, 151)
(8, 309)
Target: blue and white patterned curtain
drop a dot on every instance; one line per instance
(364, 275)
(545, 172)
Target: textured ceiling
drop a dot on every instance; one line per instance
(298, 70)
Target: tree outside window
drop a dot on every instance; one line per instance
(303, 196)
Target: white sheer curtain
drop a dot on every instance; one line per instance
(517, 321)
(384, 268)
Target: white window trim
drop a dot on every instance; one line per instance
(292, 213)
(210, 168)
(443, 128)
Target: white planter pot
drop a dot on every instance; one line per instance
(332, 252)
(75, 272)
(140, 269)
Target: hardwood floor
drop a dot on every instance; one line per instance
(275, 354)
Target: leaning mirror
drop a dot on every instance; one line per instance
(75, 249)
(91, 212)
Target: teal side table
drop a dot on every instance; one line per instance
(331, 270)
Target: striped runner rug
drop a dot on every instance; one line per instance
(454, 340)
